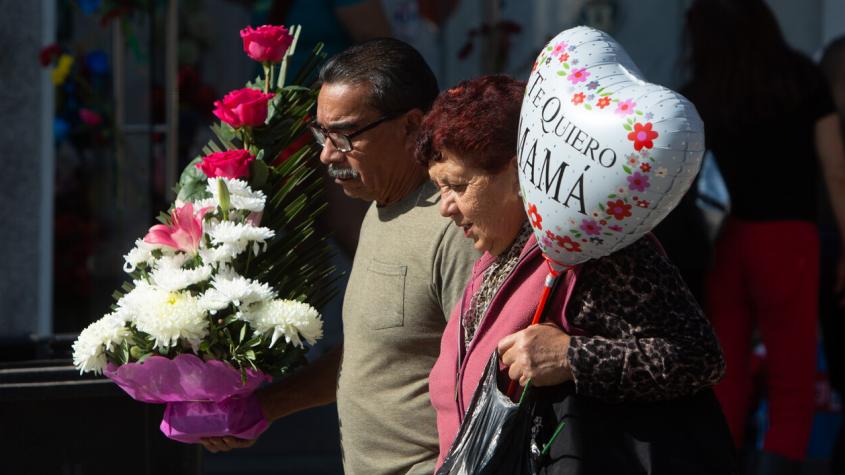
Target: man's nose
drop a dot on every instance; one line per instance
(330, 154)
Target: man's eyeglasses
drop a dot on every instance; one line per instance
(343, 142)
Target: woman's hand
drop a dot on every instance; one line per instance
(537, 353)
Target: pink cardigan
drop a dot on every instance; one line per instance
(637, 332)
(517, 300)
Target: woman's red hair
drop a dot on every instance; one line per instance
(476, 120)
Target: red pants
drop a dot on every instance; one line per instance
(765, 274)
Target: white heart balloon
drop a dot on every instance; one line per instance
(603, 155)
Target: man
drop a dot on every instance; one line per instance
(410, 266)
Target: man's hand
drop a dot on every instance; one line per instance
(225, 444)
(537, 353)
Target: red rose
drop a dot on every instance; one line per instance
(229, 164)
(243, 108)
(267, 43)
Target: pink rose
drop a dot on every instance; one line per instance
(229, 164)
(243, 108)
(267, 43)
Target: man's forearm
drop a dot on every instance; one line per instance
(312, 386)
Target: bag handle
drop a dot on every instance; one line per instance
(550, 288)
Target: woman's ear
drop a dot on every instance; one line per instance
(513, 166)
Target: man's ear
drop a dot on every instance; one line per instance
(413, 120)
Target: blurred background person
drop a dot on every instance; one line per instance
(831, 296)
(770, 122)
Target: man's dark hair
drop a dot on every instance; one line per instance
(398, 76)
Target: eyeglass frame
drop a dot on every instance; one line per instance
(317, 129)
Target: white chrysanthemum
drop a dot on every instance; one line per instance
(241, 195)
(142, 253)
(175, 279)
(234, 289)
(105, 334)
(166, 316)
(288, 318)
(223, 254)
(205, 203)
(239, 235)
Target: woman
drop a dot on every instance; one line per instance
(771, 124)
(631, 330)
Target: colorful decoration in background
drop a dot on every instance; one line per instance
(83, 110)
(604, 156)
(217, 299)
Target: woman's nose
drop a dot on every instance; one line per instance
(447, 205)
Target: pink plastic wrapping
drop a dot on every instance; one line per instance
(204, 398)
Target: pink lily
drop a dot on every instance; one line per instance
(184, 234)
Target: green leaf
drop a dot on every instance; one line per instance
(638, 112)
(192, 183)
(612, 196)
(259, 172)
(627, 169)
(627, 127)
(588, 107)
(601, 206)
(565, 65)
(561, 73)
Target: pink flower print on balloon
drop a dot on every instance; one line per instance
(645, 167)
(184, 234)
(590, 227)
(578, 75)
(625, 107)
(578, 98)
(603, 102)
(638, 182)
(643, 203)
(615, 227)
(559, 49)
(563, 58)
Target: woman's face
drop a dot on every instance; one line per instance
(487, 206)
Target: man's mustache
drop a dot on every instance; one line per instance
(343, 173)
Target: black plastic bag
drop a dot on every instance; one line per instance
(494, 436)
(554, 431)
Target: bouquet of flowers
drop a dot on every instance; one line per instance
(223, 292)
